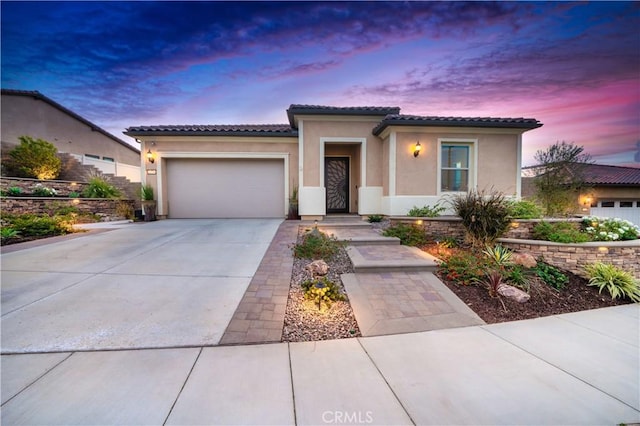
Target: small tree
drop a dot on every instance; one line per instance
(35, 158)
(560, 176)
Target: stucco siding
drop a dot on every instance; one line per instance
(28, 116)
(498, 163)
(416, 175)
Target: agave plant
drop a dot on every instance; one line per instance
(500, 255)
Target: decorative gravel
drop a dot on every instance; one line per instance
(303, 322)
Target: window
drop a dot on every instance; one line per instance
(626, 203)
(608, 204)
(96, 157)
(108, 159)
(455, 167)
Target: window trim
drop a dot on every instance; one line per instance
(473, 162)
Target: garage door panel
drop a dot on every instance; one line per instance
(225, 188)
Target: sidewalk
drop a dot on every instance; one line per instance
(579, 368)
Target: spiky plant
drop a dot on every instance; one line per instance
(499, 254)
(617, 282)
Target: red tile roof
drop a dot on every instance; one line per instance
(493, 122)
(214, 129)
(599, 174)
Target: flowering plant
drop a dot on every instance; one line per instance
(40, 190)
(609, 229)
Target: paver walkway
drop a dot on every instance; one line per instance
(393, 289)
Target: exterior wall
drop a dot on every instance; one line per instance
(414, 181)
(25, 115)
(165, 147)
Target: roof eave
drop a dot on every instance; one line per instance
(142, 133)
(435, 123)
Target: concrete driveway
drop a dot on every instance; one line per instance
(165, 284)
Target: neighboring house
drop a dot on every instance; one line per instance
(342, 159)
(30, 113)
(610, 191)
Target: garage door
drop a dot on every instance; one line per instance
(225, 188)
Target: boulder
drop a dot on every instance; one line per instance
(318, 268)
(524, 259)
(514, 293)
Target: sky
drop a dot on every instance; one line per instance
(573, 66)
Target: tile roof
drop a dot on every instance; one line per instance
(599, 174)
(213, 130)
(333, 110)
(39, 96)
(491, 122)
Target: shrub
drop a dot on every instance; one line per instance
(609, 229)
(34, 158)
(7, 232)
(322, 290)
(465, 268)
(317, 245)
(617, 282)
(14, 191)
(559, 232)
(124, 210)
(525, 209)
(31, 225)
(40, 190)
(375, 218)
(485, 216)
(551, 275)
(493, 280)
(74, 194)
(410, 235)
(501, 256)
(99, 188)
(426, 211)
(147, 192)
(518, 276)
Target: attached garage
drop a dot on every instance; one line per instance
(225, 188)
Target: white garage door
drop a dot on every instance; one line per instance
(225, 188)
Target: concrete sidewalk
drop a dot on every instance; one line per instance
(580, 368)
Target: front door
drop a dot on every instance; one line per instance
(336, 178)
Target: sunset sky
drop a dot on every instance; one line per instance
(573, 66)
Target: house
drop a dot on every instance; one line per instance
(609, 191)
(364, 160)
(30, 113)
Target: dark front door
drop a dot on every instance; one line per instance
(336, 178)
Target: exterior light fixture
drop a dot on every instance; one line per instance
(416, 149)
(150, 157)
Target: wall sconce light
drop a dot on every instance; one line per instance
(150, 157)
(416, 150)
(587, 201)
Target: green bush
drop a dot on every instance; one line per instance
(317, 245)
(486, 217)
(518, 276)
(375, 218)
(465, 268)
(147, 193)
(99, 188)
(525, 209)
(559, 232)
(7, 232)
(409, 235)
(74, 194)
(31, 225)
(609, 229)
(34, 158)
(551, 275)
(426, 211)
(322, 290)
(617, 282)
(14, 191)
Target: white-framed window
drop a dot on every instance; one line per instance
(456, 170)
(110, 159)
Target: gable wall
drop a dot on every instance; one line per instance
(24, 115)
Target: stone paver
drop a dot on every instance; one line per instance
(359, 235)
(390, 258)
(259, 316)
(404, 302)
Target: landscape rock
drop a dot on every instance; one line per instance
(318, 268)
(513, 293)
(524, 259)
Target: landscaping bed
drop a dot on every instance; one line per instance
(303, 320)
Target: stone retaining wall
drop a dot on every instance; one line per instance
(573, 257)
(451, 226)
(108, 209)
